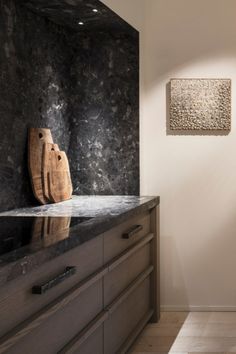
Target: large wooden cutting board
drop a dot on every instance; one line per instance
(60, 186)
(37, 138)
(47, 148)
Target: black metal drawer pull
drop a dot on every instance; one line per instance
(132, 231)
(43, 288)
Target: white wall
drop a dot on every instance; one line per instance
(131, 11)
(194, 175)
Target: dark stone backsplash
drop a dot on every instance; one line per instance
(84, 87)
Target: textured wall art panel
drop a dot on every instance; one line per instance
(200, 104)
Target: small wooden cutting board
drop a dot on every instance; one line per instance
(37, 138)
(60, 186)
(47, 148)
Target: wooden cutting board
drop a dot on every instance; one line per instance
(60, 186)
(47, 148)
(37, 138)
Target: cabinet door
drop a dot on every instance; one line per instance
(62, 327)
(120, 277)
(125, 318)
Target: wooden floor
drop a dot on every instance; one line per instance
(193, 332)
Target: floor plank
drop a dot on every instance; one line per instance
(154, 344)
(204, 344)
(208, 330)
(189, 333)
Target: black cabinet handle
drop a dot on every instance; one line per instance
(43, 288)
(132, 231)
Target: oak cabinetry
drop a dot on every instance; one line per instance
(94, 344)
(124, 318)
(51, 335)
(115, 241)
(99, 309)
(121, 276)
(17, 302)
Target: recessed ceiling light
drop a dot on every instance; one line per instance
(95, 10)
(80, 23)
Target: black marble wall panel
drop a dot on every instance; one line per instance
(84, 87)
(105, 119)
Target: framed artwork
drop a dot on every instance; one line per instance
(200, 104)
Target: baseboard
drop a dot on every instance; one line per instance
(198, 308)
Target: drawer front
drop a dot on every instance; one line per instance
(120, 277)
(126, 317)
(59, 329)
(17, 302)
(133, 229)
(93, 345)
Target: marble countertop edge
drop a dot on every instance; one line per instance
(24, 260)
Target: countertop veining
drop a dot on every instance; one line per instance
(103, 213)
(85, 206)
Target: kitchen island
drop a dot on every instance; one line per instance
(83, 276)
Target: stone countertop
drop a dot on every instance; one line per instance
(105, 212)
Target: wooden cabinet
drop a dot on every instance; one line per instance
(93, 344)
(123, 236)
(51, 334)
(124, 318)
(100, 308)
(121, 276)
(17, 303)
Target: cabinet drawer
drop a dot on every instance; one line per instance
(17, 302)
(93, 345)
(126, 317)
(120, 277)
(133, 229)
(52, 335)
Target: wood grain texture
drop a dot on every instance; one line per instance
(131, 338)
(41, 319)
(81, 260)
(47, 148)
(159, 337)
(125, 301)
(62, 325)
(114, 243)
(125, 316)
(188, 333)
(75, 344)
(94, 344)
(36, 139)
(120, 277)
(17, 303)
(60, 186)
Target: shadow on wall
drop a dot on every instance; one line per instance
(187, 132)
(173, 266)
